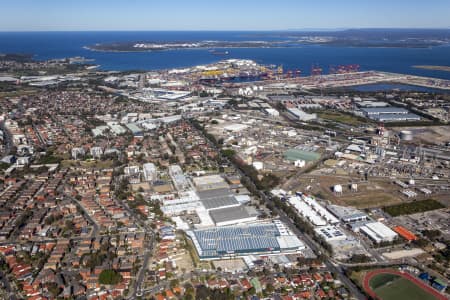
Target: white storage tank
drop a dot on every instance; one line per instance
(337, 188)
(406, 135)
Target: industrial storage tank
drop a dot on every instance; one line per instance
(337, 188)
(406, 135)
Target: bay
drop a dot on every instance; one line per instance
(50, 45)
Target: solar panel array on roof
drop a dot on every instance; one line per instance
(237, 239)
(217, 198)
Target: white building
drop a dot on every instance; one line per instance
(23, 161)
(378, 232)
(301, 115)
(272, 112)
(133, 173)
(312, 211)
(331, 233)
(178, 178)
(299, 163)
(150, 172)
(96, 152)
(258, 165)
(77, 153)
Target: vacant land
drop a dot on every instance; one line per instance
(371, 200)
(343, 118)
(370, 194)
(230, 265)
(413, 207)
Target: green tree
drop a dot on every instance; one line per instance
(109, 277)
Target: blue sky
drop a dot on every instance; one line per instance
(26, 15)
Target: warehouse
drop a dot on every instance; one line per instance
(312, 211)
(233, 215)
(218, 242)
(306, 212)
(347, 214)
(389, 114)
(397, 118)
(301, 115)
(135, 130)
(99, 130)
(272, 112)
(116, 128)
(209, 182)
(405, 233)
(331, 233)
(378, 232)
(384, 110)
(217, 198)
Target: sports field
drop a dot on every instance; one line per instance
(394, 285)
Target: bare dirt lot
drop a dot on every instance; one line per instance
(370, 194)
(230, 265)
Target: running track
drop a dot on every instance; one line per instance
(408, 276)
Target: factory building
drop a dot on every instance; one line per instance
(389, 114)
(378, 232)
(116, 128)
(231, 241)
(135, 130)
(375, 111)
(301, 115)
(330, 233)
(217, 198)
(209, 182)
(99, 130)
(271, 112)
(405, 233)
(212, 200)
(312, 211)
(233, 215)
(347, 214)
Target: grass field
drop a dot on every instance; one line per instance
(371, 200)
(342, 118)
(392, 287)
(381, 280)
(413, 207)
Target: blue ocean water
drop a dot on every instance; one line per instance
(48, 45)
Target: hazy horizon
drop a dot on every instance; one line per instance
(238, 30)
(231, 15)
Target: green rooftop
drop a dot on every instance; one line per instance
(296, 154)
